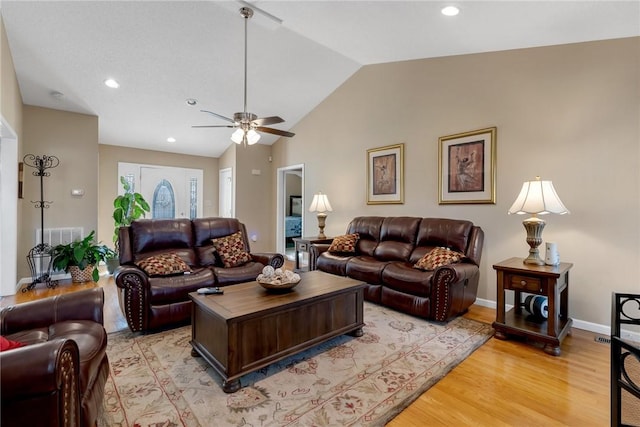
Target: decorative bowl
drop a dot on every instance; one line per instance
(278, 287)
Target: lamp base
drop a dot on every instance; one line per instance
(321, 221)
(534, 227)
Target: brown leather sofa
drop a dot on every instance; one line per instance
(58, 377)
(388, 248)
(152, 302)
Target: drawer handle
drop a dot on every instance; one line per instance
(523, 282)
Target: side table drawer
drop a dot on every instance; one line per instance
(523, 283)
(302, 246)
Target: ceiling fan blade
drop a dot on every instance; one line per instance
(212, 126)
(267, 121)
(219, 116)
(275, 131)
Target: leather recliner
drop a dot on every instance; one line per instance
(386, 252)
(154, 302)
(58, 377)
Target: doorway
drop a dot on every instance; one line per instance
(290, 209)
(226, 193)
(9, 198)
(171, 192)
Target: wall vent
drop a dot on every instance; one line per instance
(60, 236)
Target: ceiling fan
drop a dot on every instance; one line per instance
(248, 124)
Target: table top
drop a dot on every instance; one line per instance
(517, 265)
(249, 298)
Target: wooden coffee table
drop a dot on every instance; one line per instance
(249, 327)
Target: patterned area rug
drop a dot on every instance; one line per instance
(346, 381)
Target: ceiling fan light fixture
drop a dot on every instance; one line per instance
(252, 137)
(237, 136)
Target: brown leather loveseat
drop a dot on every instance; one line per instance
(57, 377)
(388, 249)
(152, 301)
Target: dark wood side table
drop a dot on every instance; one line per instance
(303, 244)
(550, 281)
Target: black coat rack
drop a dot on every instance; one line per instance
(39, 257)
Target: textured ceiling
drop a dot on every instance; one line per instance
(167, 51)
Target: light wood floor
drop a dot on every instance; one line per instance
(503, 383)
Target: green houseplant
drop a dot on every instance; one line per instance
(127, 207)
(82, 254)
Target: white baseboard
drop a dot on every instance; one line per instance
(577, 323)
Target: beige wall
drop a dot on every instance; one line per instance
(110, 155)
(255, 195)
(10, 155)
(10, 98)
(568, 113)
(73, 139)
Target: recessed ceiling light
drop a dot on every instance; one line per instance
(450, 11)
(112, 83)
(171, 139)
(191, 101)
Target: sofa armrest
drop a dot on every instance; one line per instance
(82, 305)
(454, 288)
(273, 259)
(134, 284)
(46, 375)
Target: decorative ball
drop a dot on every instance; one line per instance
(537, 305)
(268, 271)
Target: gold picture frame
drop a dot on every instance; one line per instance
(467, 167)
(385, 175)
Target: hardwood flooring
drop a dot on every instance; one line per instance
(503, 383)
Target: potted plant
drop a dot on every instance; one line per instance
(80, 258)
(127, 208)
(111, 259)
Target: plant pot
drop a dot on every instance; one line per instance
(112, 264)
(79, 276)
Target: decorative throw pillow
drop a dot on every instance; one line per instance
(6, 344)
(164, 265)
(344, 244)
(231, 250)
(438, 257)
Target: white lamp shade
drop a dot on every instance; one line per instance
(538, 197)
(252, 137)
(237, 136)
(320, 203)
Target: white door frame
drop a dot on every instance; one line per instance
(226, 192)
(9, 200)
(281, 204)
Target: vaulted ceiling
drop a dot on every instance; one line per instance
(165, 52)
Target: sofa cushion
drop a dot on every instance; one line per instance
(437, 258)
(333, 263)
(173, 289)
(368, 229)
(163, 265)
(156, 234)
(345, 244)
(243, 273)
(403, 277)
(366, 269)
(444, 232)
(231, 250)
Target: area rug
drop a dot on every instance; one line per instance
(347, 381)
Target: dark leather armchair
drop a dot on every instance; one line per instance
(57, 378)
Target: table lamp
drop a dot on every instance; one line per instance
(536, 198)
(320, 204)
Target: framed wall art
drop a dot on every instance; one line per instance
(467, 167)
(385, 175)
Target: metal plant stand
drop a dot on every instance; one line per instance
(39, 257)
